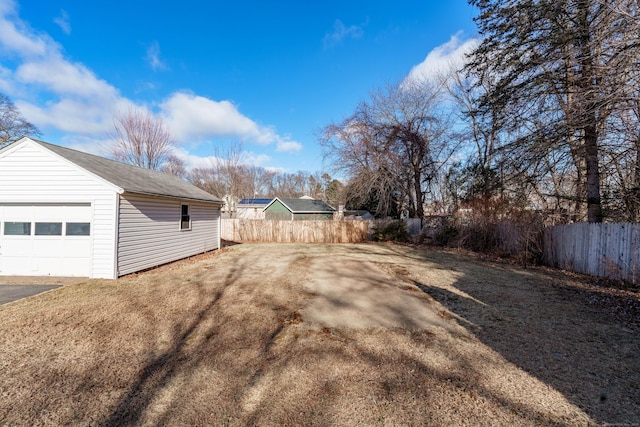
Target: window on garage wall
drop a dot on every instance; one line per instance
(185, 218)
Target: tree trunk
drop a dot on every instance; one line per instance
(588, 90)
(594, 203)
(417, 185)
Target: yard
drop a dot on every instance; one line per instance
(324, 335)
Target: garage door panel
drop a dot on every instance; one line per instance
(77, 246)
(52, 266)
(16, 247)
(16, 265)
(53, 247)
(82, 266)
(17, 213)
(57, 253)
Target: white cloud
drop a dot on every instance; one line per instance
(340, 32)
(153, 57)
(15, 37)
(287, 146)
(193, 117)
(63, 22)
(442, 59)
(257, 159)
(58, 75)
(192, 161)
(6, 85)
(75, 115)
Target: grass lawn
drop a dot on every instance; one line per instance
(296, 335)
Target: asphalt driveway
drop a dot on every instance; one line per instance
(10, 293)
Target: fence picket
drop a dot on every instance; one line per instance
(604, 250)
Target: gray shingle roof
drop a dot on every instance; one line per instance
(132, 179)
(306, 205)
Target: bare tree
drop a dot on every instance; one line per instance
(258, 179)
(13, 125)
(230, 177)
(175, 166)
(392, 147)
(141, 139)
(225, 176)
(356, 151)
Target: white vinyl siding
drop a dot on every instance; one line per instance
(30, 174)
(150, 235)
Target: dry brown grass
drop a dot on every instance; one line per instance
(235, 338)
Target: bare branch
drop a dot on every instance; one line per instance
(141, 139)
(13, 125)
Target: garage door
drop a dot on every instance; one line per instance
(45, 239)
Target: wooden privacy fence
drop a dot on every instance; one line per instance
(603, 250)
(312, 231)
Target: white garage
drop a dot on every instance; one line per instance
(68, 213)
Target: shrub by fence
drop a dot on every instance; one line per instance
(603, 250)
(320, 231)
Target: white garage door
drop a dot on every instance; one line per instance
(45, 239)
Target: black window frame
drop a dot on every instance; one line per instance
(185, 217)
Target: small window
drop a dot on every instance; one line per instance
(185, 218)
(17, 228)
(78, 229)
(48, 229)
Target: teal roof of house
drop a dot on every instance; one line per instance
(304, 205)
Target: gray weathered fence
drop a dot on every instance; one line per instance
(603, 250)
(320, 231)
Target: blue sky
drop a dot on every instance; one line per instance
(268, 74)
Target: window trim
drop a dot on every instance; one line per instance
(185, 218)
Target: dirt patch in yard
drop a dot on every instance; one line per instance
(322, 335)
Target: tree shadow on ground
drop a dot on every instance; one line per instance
(264, 365)
(230, 348)
(555, 332)
(161, 369)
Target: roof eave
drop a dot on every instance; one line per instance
(164, 196)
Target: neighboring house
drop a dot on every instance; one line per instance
(297, 209)
(251, 208)
(357, 214)
(68, 213)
